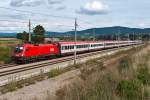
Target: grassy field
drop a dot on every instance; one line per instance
(6, 48)
(9, 42)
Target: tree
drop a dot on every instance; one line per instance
(23, 36)
(39, 34)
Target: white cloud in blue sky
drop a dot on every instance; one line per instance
(94, 8)
(30, 3)
(100, 13)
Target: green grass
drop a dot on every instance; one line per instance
(9, 42)
(6, 50)
(5, 54)
(130, 89)
(143, 75)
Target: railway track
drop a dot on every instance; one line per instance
(8, 69)
(2, 66)
(25, 71)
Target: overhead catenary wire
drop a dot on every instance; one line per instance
(17, 21)
(24, 11)
(49, 15)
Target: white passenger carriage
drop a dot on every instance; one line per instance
(69, 47)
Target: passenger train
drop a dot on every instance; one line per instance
(33, 52)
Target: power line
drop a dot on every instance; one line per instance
(65, 17)
(13, 21)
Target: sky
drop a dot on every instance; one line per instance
(59, 15)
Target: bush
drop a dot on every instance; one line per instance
(29, 81)
(143, 75)
(125, 68)
(129, 89)
(124, 64)
(12, 86)
(76, 66)
(54, 72)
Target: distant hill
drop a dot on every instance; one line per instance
(9, 35)
(112, 30)
(103, 31)
(88, 32)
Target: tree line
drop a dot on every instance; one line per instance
(38, 35)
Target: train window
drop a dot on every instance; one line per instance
(62, 48)
(78, 46)
(83, 46)
(18, 49)
(72, 47)
(65, 47)
(108, 44)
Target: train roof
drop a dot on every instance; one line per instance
(31, 45)
(87, 42)
(65, 43)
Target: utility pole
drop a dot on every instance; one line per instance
(128, 37)
(133, 36)
(139, 36)
(29, 31)
(148, 37)
(75, 40)
(118, 37)
(119, 34)
(93, 35)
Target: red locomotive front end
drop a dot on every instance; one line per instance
(30, 52)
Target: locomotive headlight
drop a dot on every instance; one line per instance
(21, 48)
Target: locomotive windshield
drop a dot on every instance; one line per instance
(18, 49)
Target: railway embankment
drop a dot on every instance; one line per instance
(123, 75)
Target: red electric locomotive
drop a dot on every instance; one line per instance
(31, 52)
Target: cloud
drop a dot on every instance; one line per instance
(56, 4)
(12, 26)
(94, 8)
(61, 8)
(51, 2)
(20, 3)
